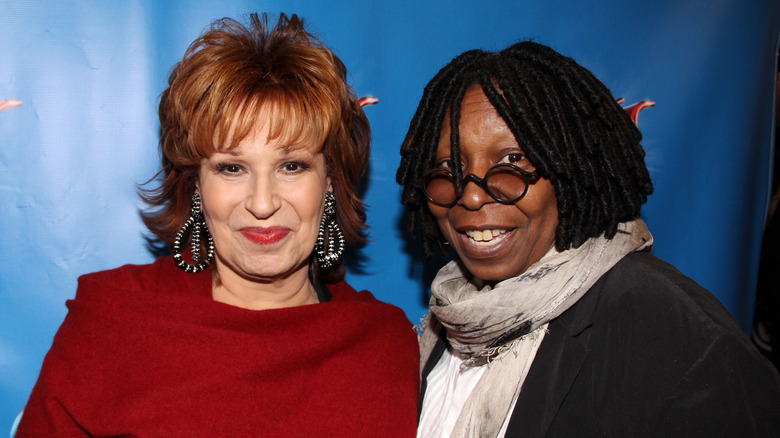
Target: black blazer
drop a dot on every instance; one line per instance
(646, 352)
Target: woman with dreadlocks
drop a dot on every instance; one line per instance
(555, 320)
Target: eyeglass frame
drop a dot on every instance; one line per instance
(528, 177)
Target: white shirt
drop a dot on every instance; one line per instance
(447, 391)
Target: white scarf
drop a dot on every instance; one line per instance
(486, 324)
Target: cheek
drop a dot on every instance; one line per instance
(541, 208)
(218, 199)
(441, 214)
(542, 202)
(313, 215)
(215, 212)
(308, 201)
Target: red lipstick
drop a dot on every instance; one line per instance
(265, 235)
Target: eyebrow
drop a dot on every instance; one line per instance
(287, 150)
(284, 150)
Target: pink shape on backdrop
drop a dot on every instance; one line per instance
(368, 100)
(9, 103)
(633, 110)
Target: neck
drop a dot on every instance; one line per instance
(262, 294)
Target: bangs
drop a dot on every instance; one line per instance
(295, 119)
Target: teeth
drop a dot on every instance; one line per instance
(484, 235)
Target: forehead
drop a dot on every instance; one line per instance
(273, 126)
(476, 106)
(479, 127)
(261, 139)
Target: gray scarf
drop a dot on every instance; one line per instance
(487, 323)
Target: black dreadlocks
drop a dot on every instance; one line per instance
(567, 122)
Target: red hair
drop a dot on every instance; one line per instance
(216, 92)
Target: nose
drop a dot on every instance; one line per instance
(263, 198)
(474, 196)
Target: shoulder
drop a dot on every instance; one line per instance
(643, 289)
(674, 350)
(130, 277)
(647, 315)
(345, 293)
(653, 310)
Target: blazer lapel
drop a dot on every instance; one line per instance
(556, 366)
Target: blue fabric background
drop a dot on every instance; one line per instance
(90, 74)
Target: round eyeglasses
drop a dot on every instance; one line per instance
(506, 183)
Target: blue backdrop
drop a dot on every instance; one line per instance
(90, 73)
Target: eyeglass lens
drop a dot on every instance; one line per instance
(503, 183)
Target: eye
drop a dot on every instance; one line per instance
(518, 160)
(513, 158)
(229, 168)
(445, 163)
(294, 167)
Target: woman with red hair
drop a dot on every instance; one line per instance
(248, 329)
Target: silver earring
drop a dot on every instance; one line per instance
(330, 256)
(198, 225)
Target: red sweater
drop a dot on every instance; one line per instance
(145, 351)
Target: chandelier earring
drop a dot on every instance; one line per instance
(198, 229)
(330, 231)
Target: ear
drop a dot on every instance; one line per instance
(329, 183)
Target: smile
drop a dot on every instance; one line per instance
(486, 237)
(265, 236)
